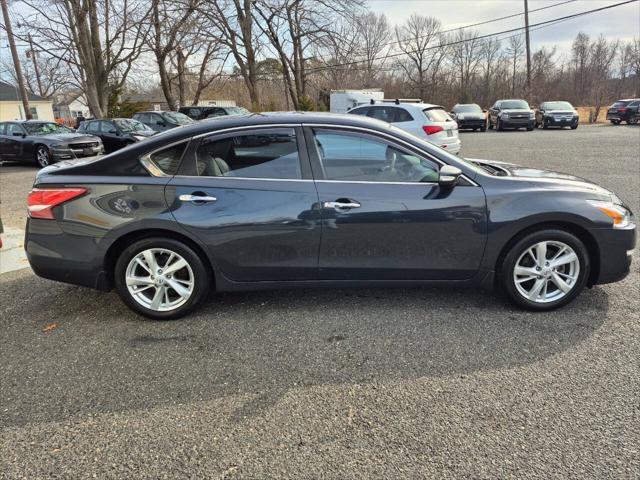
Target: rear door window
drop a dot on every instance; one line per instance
(270, 154)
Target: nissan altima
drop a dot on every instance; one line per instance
(290, 199)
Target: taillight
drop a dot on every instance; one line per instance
(622, 110)
(431, 129)
(42, 200)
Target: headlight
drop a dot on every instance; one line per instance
(57, 145)
(620, 216)
(504, 115)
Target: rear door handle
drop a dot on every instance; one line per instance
(341, 204)
(197, 198)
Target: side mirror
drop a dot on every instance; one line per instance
(449, 176)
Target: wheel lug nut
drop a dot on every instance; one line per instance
(538, 268)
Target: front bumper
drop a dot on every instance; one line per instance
(471, 123)
(615, 248)
(58, 154)
(560, 122)
(518, 123)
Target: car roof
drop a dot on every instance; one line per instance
(419, 105)
(264, 119)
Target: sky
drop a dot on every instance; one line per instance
(621, 23)
(617, 23)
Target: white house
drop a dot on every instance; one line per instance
(11, 105)
(71, 105)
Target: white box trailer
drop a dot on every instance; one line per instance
(343, 100)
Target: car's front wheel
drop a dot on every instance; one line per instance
(545, 270)
(42, 156)
(161, 278)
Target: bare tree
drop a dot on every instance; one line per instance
(490, 54)
(374, 37)
(465, 58)
(418, 39)
(235, 22)
(515, 49)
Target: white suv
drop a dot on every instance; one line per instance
(427, 121)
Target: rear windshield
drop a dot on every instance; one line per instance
(557, 106)
(514, 104)
(237, 111)
(437, 115)
(129, 125)
(620, 104)
(467, 109)
(178, 118)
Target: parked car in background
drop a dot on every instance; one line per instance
(557, 114)
(469, 116)
(116, 133)
(200, 113)
(514, 113)
(624, 111)
(316, 199)
(424, 120)
(162, 121)
(42, 143)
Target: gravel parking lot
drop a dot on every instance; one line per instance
(365, 383)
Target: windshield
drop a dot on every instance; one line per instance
(237, 111)
(467, 109)
(45, 128)
(514, 104)
(179, 118)
(557, 106)
(129, 125)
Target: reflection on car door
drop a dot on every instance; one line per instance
(250, 198)
(384, 215)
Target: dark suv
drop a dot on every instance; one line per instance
(624, 111)
(511, 114)
(200, 113)
(557, 114)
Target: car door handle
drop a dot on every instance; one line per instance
(197, 198)
(340, 204)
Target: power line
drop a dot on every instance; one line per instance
(480, 37)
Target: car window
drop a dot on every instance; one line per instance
(269, 153)
(467, 109)
(359, 111)
(107, 127)
(142, 117)
(360, 157)
(168, 159)
(178, 118)
(620, 104)
(386, 114)
(437, 115)
(128, 125)
(14, 128)
(2, 128)
(515, 104)
(634, 104)
(93, 127)
(155, 119)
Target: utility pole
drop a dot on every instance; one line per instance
(16, 60)
(527, 41)
(33, 55)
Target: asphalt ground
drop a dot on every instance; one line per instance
(364, 383)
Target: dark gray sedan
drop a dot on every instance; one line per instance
(291, 200)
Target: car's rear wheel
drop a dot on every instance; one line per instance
(545, 270)
(42, 156)
(161, 278)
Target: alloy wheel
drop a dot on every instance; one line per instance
(159, 279)
(546, 272)
(42, 157)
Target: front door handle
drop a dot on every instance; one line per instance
(197, 198)
(342, 204)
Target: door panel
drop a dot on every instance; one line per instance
(256, 228)
(399, 224)
(402, 231)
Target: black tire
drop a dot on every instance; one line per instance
(529, 129)
(42, 157)
(202, 279)
(545, 125)
(490, 125)
(522, 245)
(483, 128)
(573, 127)
(615, 122)
(498, 125)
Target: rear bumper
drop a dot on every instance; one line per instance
(616, 248)
(450, 146)
(56, 255)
